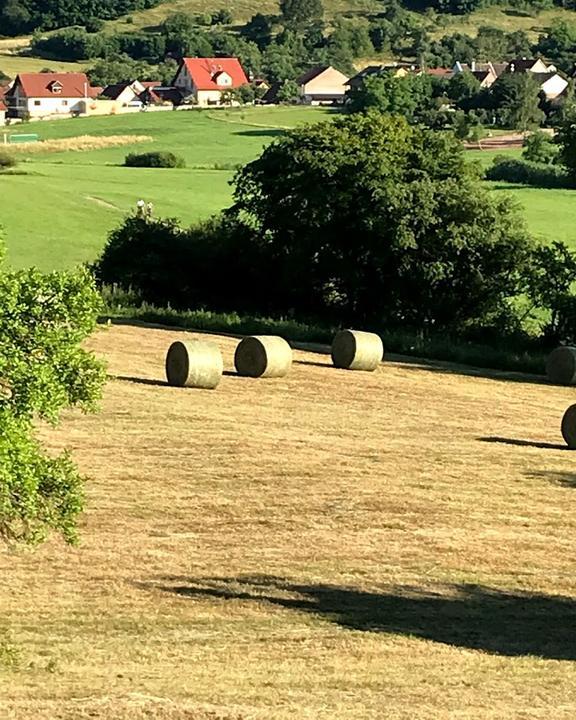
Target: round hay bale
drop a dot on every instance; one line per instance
(561, 366)
(569, 427)
(266, 356)
(357, 350)
(194, 363)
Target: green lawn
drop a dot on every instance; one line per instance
(60, 211)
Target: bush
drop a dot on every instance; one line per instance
(7, 161)
(158, 159)
(525, 172)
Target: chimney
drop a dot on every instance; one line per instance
(512, 67)
(473, 66)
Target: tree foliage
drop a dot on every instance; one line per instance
(43, 369)
(372, 218)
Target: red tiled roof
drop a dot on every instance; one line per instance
(438, 72)
(204, 71)
(39, 85)
(151, 83)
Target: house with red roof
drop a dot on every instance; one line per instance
(43, 95)
(209, 80)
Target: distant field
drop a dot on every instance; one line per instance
(396, 545)
(11, 64)
(59, 213)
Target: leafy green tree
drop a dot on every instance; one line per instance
(222, 17)
(463, 88)
(558, 44)
(259, 29)
(409, 96)
(371, 219)
(566, 139)
(300, 12)
(516, 98)
(43, 369)
(539, 147)
(288, 92)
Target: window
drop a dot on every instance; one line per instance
(37, 102)
(64, 102)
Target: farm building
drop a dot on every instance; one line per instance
(207, 81)
(42, 95)
(322, 85)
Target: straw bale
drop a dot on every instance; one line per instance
(266, 356)
(357, 350)
(561, 366)
(569, 427)
(194, 363)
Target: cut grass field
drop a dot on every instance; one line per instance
(340, 545)
(58, 211)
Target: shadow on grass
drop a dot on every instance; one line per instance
(566, 479)
(261, 133)
(467, 616)
(523, 443)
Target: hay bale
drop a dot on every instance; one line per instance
(561, 366)
(194, 363)
(569, 427)
(357, 350)
(266, 356)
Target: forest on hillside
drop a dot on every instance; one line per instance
(24, 16)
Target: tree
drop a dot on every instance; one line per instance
(516, 98)
(300, 12)
(43, 369)
(288, 92)
(409, 96)
(463, 88)
(371, 219)
(566, 139)
(539, 147)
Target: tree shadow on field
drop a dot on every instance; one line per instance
(261, 133)
(139, 381)
(566, 479)
(466, 616)
(447, 368)
(523, 443)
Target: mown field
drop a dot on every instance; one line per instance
(58, 211)
(331, 545)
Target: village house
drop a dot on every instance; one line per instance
(322, 85)
(42, 95)
(125, 94)
(208, 81)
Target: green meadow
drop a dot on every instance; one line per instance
(59, 207)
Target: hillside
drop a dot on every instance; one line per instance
(330, 545)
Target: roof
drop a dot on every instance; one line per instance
(39, 85)
(311, 74)
(204, 72)
(366, 72)
(112, 92)
(524, 64)
(481, 75)
(438, 72)
(542, 78)
(3, 107)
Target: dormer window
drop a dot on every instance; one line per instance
(56, 87)
(222, 78)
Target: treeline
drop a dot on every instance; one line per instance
(18, 17)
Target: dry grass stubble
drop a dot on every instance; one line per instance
(326, 545)
(81, 143)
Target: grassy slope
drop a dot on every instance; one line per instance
(60, 213)
(329, 546)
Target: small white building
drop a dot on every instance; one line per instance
(323, 85)
(551, 84)
(208, 80)
(43, 95)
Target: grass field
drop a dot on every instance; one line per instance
(339, 545)
(59, 211)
